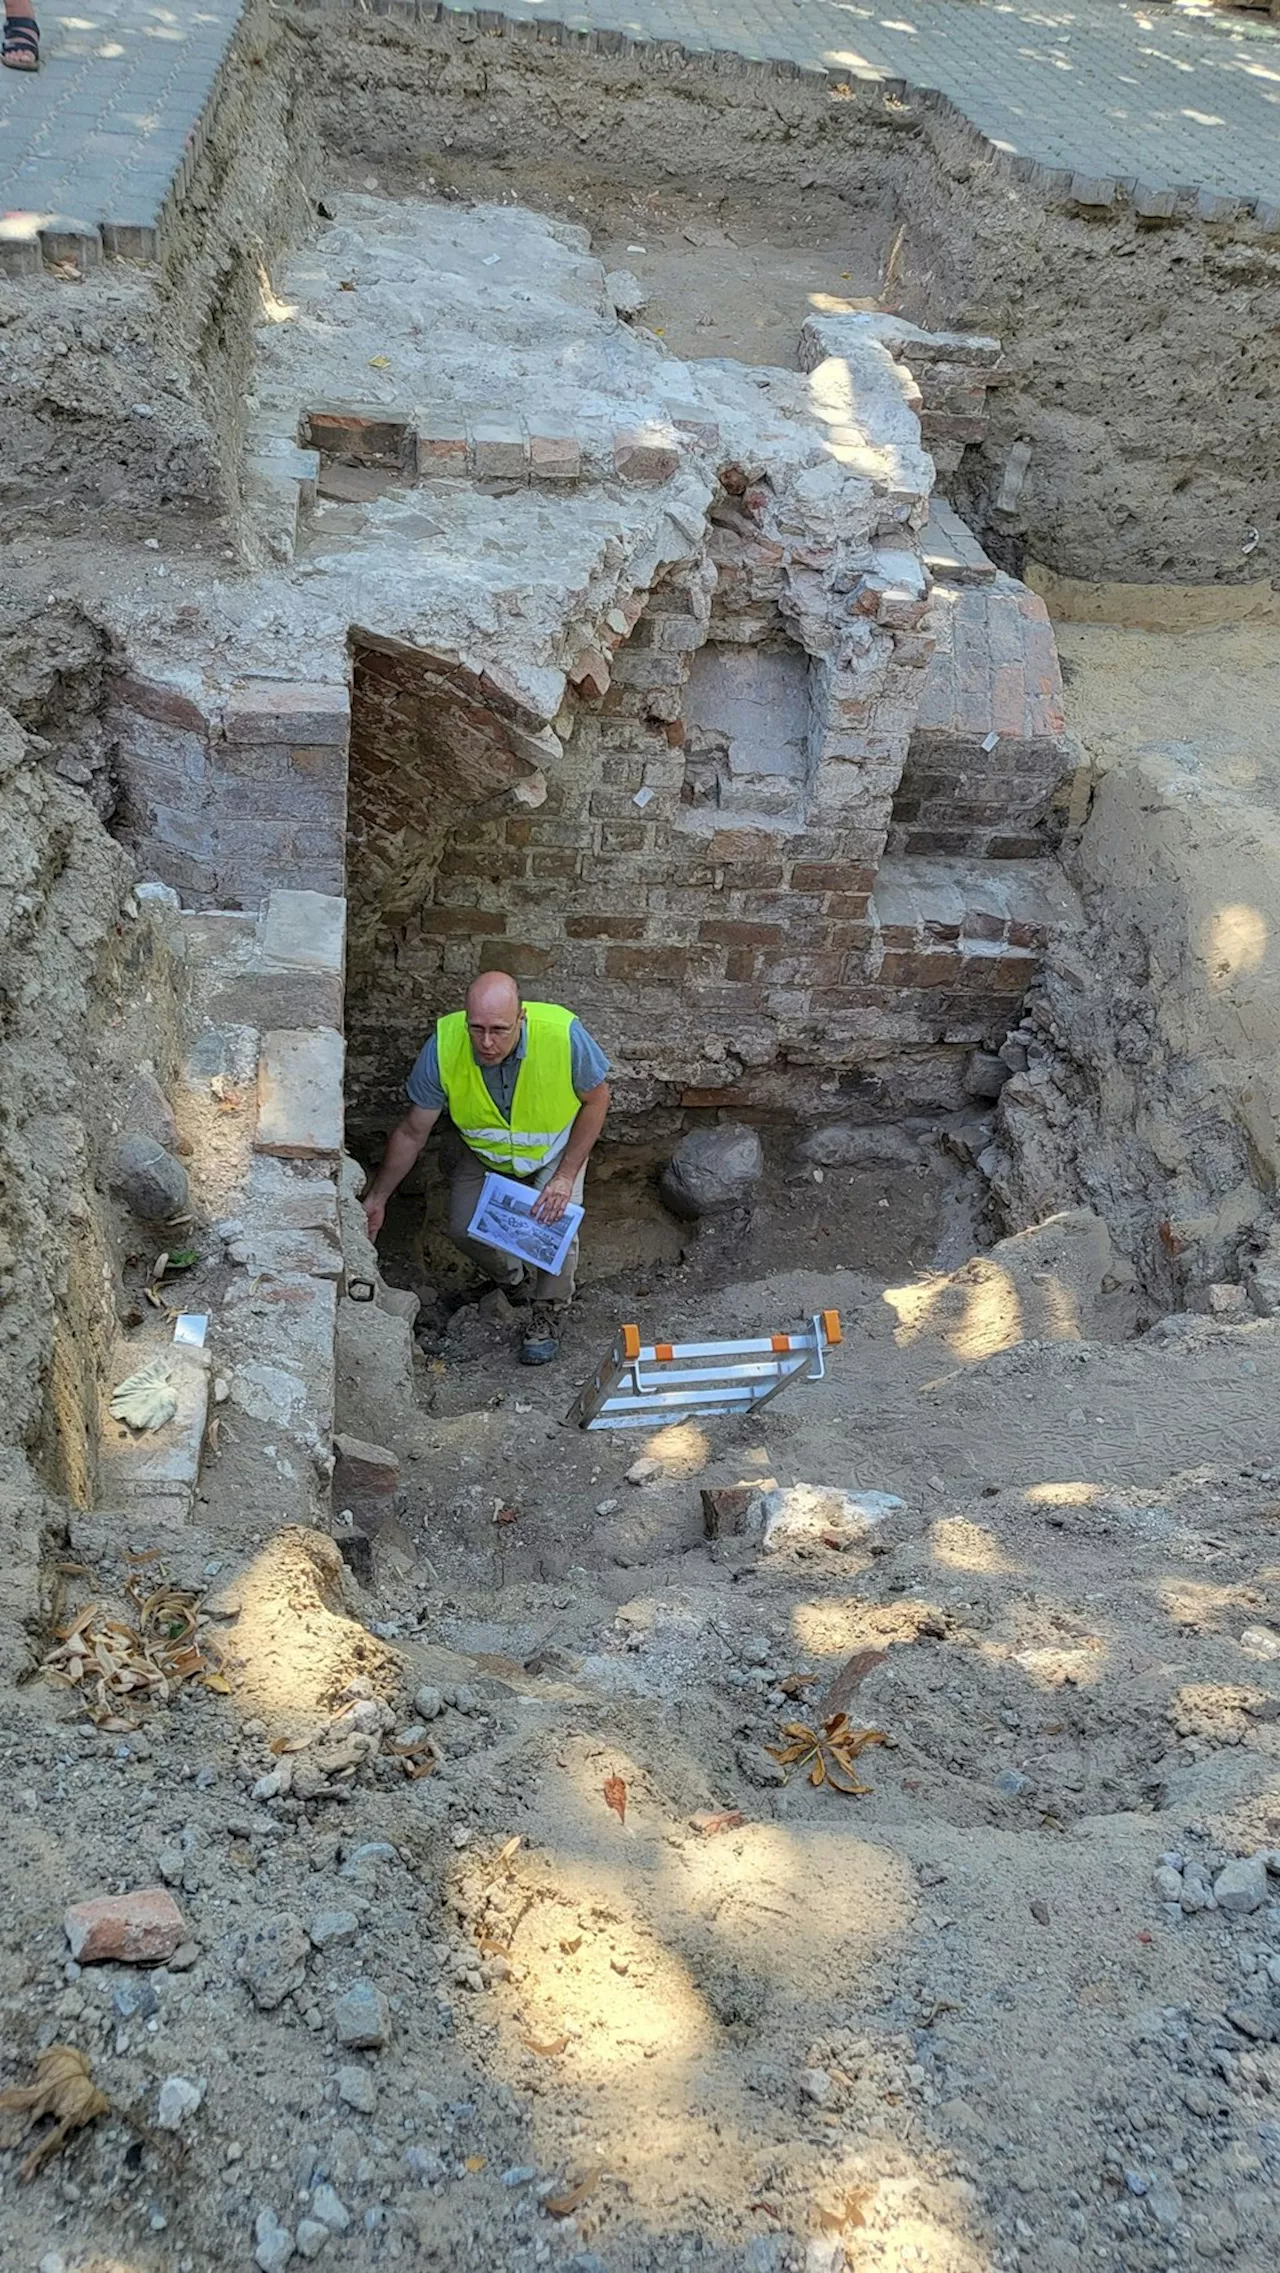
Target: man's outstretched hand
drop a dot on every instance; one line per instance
(374, 1213)
(553, 1199)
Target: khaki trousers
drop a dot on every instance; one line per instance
(466, 1175)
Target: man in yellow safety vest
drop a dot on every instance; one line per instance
(525, 1087)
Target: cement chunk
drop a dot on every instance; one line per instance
(300, 1093)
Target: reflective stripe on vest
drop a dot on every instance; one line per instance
(544, 1091)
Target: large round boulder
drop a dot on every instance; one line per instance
(712, 1169)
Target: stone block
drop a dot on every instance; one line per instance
(306, 929)
(300, 1076)
(163, 1462)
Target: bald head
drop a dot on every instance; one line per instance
(493, 1016)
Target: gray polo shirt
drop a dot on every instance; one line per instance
(588, 1067)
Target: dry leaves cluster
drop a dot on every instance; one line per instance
(146, 1659)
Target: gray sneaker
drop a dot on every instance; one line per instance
(541, 1336)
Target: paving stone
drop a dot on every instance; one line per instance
(300, 1093)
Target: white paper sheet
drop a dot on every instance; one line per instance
(504, 1218)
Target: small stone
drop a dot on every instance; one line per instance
(363, 1860)
(272, 2242)
(149, 1180)
(645, 1470)
(815, 2084)
(1164, 2203)
(1261, 1641)
(356, 2087)
(330, 2209)
(178, 2100)
(1167, 1882)
(519, 2174)
(764, 2253)
(313, 2236)
(53, 2261)
(607, 1507)
(625, 290)
(428, 1702)
(824, 2253)
(1227, 1301)
(1010, 1783)
(362, 2018)
(1257, 2022)
(275, 1961)
(1241, 1886)
(1196, 2099)
(136, 1999)
(426, 2165)
(142, 1928)
(330, 1928)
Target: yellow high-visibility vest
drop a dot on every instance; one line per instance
(544, 1107)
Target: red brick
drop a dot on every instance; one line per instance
(360, 435)
(645, 963)
(604, 927)
(723, 934)
(142, 1928)
(300, 713)
(167, 705)
(467, 921)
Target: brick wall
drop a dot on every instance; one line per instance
(226, 801)
(712, 952)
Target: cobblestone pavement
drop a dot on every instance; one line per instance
(1163, 95)
(100, 132)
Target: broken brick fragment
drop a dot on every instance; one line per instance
(141, 1928)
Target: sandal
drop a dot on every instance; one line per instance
(20, 47)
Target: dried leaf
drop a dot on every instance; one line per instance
(570, 1949)
(506, 1514)
(615, 1796)
(506, 1852)
(474, 2162)
(64, 2088)
(488, 1947)
(723, 1819)
(817, 1774)
(850, 2212)
(549, 2050)
(218, 1682)
(564, 2205)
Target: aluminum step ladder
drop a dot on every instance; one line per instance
(646, 1385)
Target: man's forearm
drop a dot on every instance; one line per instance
(403, 1146)
(589, 1121)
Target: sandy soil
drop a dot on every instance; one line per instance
(948, 2024)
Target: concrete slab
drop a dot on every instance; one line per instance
(300, 1093)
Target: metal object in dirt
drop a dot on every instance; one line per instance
(642, 1385)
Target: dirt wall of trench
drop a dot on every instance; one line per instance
(1143, 357)
(122, 391)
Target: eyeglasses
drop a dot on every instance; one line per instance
(490, 1033)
